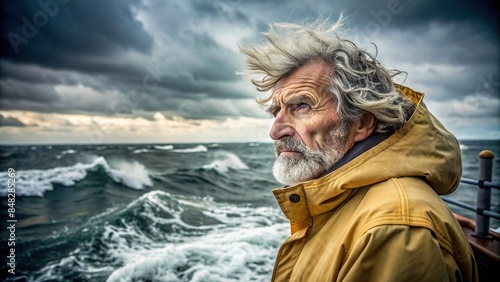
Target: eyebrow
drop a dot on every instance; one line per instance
(300, 98)
(271, 109)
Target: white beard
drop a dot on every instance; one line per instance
(310, 163)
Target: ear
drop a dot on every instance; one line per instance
(364, 127)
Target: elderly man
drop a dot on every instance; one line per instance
(363, 162)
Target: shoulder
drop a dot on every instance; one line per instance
(407, 201)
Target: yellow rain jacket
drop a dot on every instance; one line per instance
(379, 217)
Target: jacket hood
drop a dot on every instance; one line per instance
(421, 148)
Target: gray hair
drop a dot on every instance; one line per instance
(359, 83)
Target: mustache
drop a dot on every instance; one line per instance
(289, 144)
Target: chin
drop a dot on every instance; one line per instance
(289, 171)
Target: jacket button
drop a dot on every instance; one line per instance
(294, 198)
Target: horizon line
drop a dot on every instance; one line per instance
(178, 142)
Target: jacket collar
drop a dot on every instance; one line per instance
(358, 149)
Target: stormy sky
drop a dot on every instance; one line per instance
(91, 72)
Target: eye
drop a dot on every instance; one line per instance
(302, 106)
(275, 112)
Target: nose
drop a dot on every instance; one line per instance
(281, 129)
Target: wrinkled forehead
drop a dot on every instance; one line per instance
(312, 80)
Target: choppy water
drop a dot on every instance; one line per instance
(182, 212)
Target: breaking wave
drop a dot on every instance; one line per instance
(225, 161)
(140, 151)
(165, 237)
(199, 148)
(35, 182)
(166, 147)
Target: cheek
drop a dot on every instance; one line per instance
(306, 132)
(313, 133)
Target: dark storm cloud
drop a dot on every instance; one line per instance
(14, 90)
(85, 43)
(228, 9)
(73, 35)
(181, 49)
(450, 49)
(29, 73)
(410, 13)
(10, 121)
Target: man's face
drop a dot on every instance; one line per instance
(309, 137)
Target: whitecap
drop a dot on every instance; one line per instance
(463, 147)
(237, 250)
(239, 254)
(241, 246)
(199, 148)
(225, 161)
(35, 182)
(139, 151)
(68, 152)
(166, 147)
(130, 174)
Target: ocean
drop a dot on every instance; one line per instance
(146, 212)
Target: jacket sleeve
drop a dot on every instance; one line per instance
(399, 253)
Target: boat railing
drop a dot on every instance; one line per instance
(483, 201)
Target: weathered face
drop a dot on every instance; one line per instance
(309, 137)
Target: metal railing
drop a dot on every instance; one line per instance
(483, 201)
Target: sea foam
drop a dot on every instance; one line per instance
(130, 174)
(241, 248)
(140, 151)
(237, 255)
(166, 147)
(68, 152)
(199, 148)
(225, 161)
(165, 237)
(35, 182)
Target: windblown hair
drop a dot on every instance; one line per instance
(359, 82)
